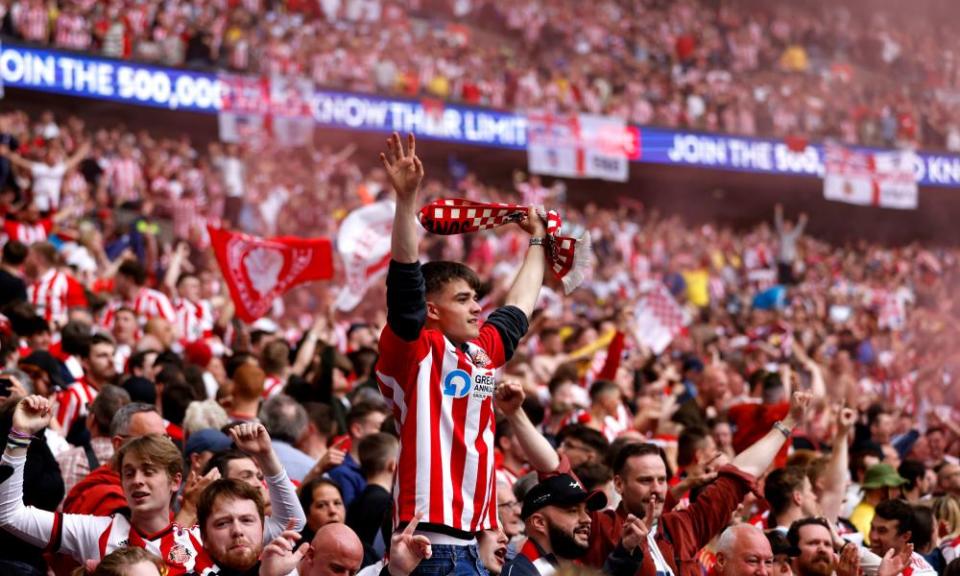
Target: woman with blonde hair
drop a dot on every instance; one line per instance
(946, 513)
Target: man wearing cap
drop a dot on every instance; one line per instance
(880, 483)
(556, 513)
(202, 445)
(671, 544)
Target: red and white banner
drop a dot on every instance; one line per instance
(885, 179)
(290, 118)
(255, 107)
(364, 246)
(258, 270)
(658, 317)
(580, 146)
(245, 105)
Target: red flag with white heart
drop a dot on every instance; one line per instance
(258, 270)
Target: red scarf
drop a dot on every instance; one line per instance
(569, 258)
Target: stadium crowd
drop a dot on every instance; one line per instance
(804, 414)
(806, 72)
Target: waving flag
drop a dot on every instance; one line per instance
(258, 270)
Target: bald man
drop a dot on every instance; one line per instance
(335, 551)
(743, 550)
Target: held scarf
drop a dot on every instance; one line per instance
(569, 258)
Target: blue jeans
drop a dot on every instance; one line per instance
(452, 561)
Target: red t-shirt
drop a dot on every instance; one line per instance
(753, 421)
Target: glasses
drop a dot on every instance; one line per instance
(510, 504)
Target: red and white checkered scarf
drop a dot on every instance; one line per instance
(569, 258)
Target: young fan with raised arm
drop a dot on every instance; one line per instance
(439, 366)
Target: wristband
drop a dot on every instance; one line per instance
(17, 442)
(538, 241)
(783, 429)
(14, 433)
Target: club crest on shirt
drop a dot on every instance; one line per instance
(480, 358)
(179, 554)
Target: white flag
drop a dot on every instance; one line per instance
(658, 317)
(848, 176)
(579, 146)
(885, 179)
(896, 179)
(364, 246)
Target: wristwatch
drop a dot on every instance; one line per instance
(538, 240)
(783, 429)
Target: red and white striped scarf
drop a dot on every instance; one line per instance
(569, 258)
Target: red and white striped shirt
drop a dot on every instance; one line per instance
(93, 537)
(72, 32)
(53, 295)
(272, 386)
(73, 403)
(26, 232)
(443, 399)
(148, 304)
(34, 23)
(125, 177)
(194, 320)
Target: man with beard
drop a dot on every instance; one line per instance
(811, 541)
(556, 513)
(230, 517)
(671, 544)
(72, 405)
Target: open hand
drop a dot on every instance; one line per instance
(849, 562)
(196, 484)
(403, 167)
(281, 556)
(893, 564)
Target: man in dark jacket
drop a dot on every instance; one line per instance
(674, 538)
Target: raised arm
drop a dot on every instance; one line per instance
(405, 172)
(526, 286)
(78, 156)
(831, 501)
(758, 457)
(778, 217)
(30, 524)
(540, 453)
(20, 161)
(255, 441)
(180, 254)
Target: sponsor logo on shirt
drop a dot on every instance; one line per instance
(457, 383)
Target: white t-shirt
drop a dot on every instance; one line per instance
(46, 185)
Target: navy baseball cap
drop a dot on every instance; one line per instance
(208, 439)
(560, 490)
